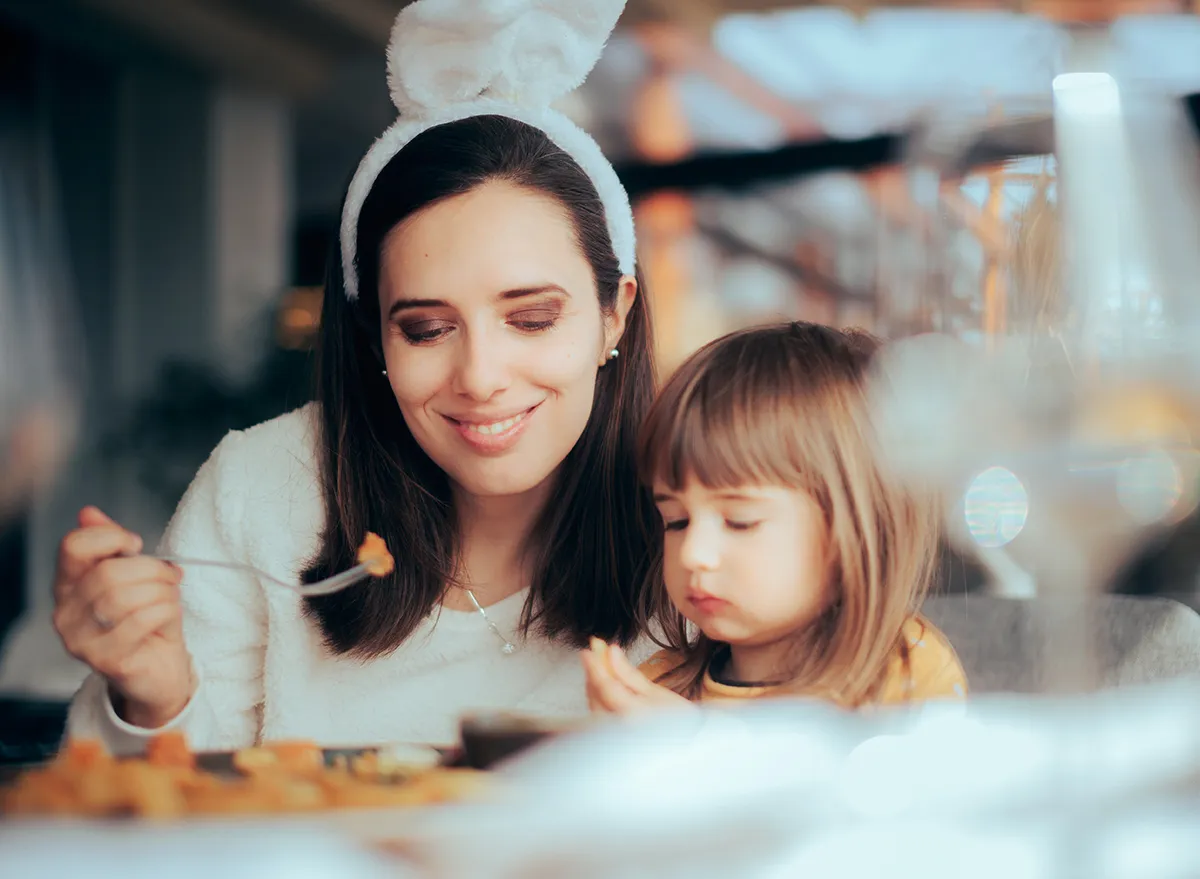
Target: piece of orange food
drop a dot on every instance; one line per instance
(374, 554)
(275, 777)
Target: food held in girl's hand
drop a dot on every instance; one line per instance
(599, 648)
(374, 554)
(282, 777)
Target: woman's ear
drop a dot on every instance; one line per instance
(614, 323)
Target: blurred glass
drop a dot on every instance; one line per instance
(1054, 387)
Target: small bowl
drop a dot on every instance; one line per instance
(490, 739)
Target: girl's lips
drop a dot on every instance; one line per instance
(496, 436)
(707, 604)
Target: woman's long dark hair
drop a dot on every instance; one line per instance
(598, 535)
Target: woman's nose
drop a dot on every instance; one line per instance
(482, 369)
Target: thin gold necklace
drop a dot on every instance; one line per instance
(509, 647)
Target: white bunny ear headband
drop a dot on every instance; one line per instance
(450, 60)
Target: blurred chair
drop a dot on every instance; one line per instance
(1005, 644)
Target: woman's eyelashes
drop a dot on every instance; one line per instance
(535, 320)
(731, 524)
(421, 331)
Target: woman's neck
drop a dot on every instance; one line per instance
(494, 531)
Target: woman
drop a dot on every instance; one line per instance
(485, 360)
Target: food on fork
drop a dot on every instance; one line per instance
(275, 777)
(374, 554)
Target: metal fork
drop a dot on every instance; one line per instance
(328, 586)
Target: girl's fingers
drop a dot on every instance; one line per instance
(624, 671)
(603, 689)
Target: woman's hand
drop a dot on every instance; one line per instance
(615, 686)
(119, 612)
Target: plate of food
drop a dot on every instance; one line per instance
(171, 782)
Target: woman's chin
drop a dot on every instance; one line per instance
(496, 482)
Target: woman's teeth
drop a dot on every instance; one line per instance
(496, 426)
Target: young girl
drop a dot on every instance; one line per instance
(794, 563)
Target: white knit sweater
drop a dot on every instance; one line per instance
(263, 671)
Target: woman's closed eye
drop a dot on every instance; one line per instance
(675, 524)
(421, 331)
(534, 320)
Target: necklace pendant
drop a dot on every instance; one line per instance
(509, 647)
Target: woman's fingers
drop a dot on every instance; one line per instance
(111, 578)
(93, 516)
(110, 650)
(111, 607)
(84, 548)
(109, 592)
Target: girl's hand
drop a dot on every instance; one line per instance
(615, 686)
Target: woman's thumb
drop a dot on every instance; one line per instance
(91, 517)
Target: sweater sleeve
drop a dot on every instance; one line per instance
(224, 621)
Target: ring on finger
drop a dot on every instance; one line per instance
(101, 620)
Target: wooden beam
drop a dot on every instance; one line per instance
(699, 15)
(995, 301)
(659, 132)
(982, 223)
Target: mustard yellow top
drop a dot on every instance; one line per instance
(924, 667)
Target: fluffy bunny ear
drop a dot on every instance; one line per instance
(526, 53)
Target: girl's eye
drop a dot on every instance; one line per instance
(675, 524)
(422, 331)
(534, 321)
(740, 526)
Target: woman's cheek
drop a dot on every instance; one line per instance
(417, 376)
(562, 361)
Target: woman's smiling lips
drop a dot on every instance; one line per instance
(491, 434)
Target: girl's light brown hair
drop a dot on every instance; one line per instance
(786, 405)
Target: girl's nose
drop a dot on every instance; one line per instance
(701, 549)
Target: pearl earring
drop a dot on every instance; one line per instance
(612, 355)
(384, 372)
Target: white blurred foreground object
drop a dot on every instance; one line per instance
(1100, 786)
(148, 851)
(1105, 786)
